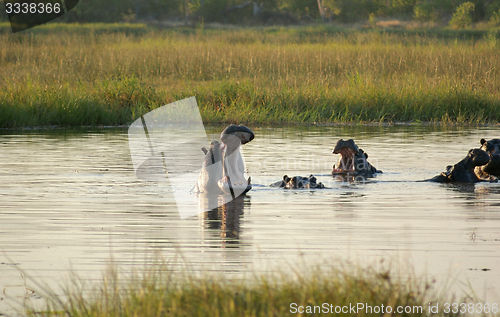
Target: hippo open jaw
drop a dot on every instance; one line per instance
(346, 161)
(353, 161)
(223, 168)
(347, 150)
(233, 137)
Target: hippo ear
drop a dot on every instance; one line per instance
(286, 178)
(483, 141)
(205, 151)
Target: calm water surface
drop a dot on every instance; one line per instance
(69, 201)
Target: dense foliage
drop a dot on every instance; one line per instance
(347, 11)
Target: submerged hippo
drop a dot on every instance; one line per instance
(492, 147)
(353, 160)
(464, 171)
(223, 167)
(297, 182)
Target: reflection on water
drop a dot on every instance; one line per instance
(225, 220)
(70, 199)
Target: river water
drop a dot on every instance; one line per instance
(70, 202)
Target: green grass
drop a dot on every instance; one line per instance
(159, 291)
(72, 75)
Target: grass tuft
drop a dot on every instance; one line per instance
(158, 291)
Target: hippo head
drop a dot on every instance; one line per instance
(479, 157)
(492, 147)
(298, 182)
(347, 150)
(353, 160)
(468, 170)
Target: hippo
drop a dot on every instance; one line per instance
(353, 160)
(298, 182)
(223, 167)
(464, 171)
(492, 147)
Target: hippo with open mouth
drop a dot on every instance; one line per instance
(465, 170)
(492, 147)
(353, 160)
(298, 182)
(223, 167)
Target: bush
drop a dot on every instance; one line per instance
(462, 16)
(495, 18)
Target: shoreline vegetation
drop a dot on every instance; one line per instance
(71, 75)
(159, 290)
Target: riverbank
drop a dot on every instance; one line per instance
(111, 75)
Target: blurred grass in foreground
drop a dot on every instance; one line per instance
(159, 291)
(71, 75)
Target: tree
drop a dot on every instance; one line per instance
(463, 15)
(402, 6)
(424, 12)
